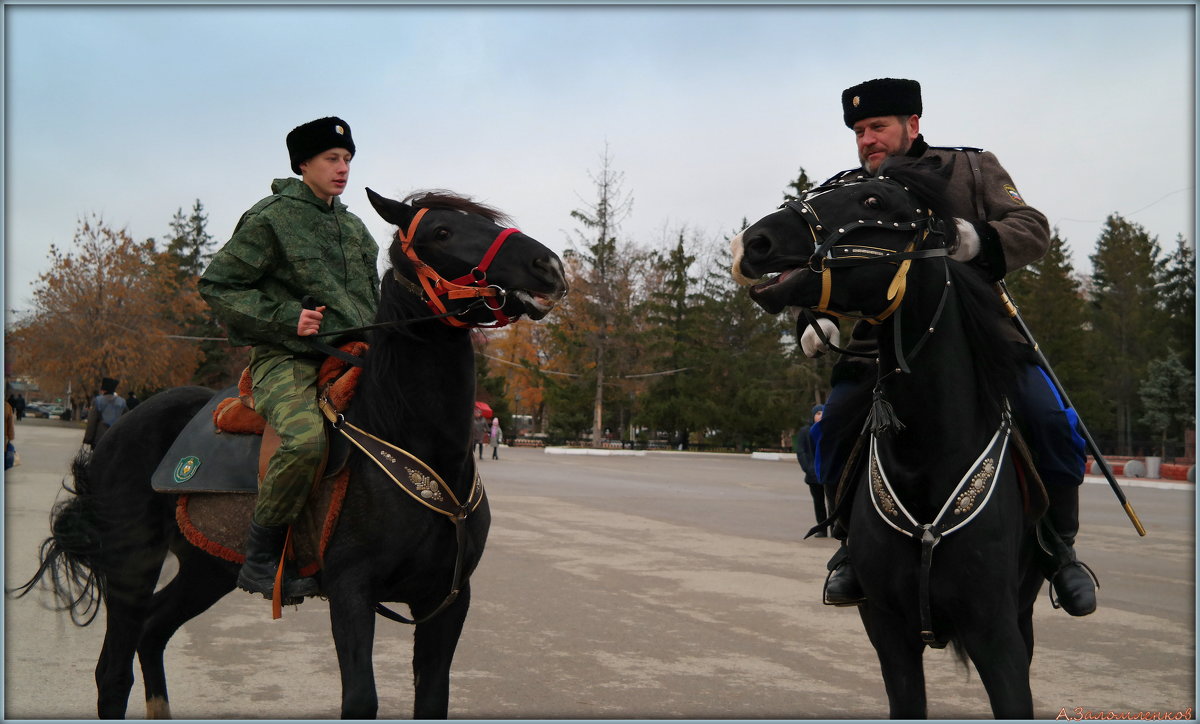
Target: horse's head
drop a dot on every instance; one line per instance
(841, 248)
(455, 254)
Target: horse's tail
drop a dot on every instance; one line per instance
(69, 557)
(960, 653)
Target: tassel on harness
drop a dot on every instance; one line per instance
(882, 417)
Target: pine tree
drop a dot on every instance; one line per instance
(602, 289)
(675, 343)
(1178, 296)
(798, 187)
(1128, 320)
(1049, 296)
(189, 245)
(189, 248)
(1167, 395)
(748, 394)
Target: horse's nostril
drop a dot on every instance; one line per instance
(757, 247)
(549, 270)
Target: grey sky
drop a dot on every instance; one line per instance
(132, 112)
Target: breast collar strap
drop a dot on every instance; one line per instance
(473, 285)
(968, 498)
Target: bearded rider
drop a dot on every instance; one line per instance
(885, 116)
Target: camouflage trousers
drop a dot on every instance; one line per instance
(285, 393)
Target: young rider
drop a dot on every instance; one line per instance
(299, 241)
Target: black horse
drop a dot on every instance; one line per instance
(939, 529)
(417, 391)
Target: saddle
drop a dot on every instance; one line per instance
(220, 456)
(226, 445)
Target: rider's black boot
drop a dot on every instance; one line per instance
(841, 586)
(264, 548)
(1072, 580)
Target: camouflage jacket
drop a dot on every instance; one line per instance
(289, 245)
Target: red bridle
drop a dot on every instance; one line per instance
(474, 284)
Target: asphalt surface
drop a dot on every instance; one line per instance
(657, 586)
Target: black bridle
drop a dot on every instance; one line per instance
(833, 251)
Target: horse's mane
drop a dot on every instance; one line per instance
(443, 199)
(997, 361)
(928, 178)
(448, 201)
(388, 412)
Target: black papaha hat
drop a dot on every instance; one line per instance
(881, 97)
(313, 137)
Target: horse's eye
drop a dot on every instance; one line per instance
(871, 202)
(441, 233)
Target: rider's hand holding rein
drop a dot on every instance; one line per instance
(310, 321)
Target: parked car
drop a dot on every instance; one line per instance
(44, 409)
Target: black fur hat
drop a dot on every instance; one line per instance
(881, 97)
(108, 384)
(313, 137)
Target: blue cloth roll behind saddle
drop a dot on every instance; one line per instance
(1049, 427)
(204, 460)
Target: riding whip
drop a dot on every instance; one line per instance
(1015, 315)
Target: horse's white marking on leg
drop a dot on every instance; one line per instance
(158, 708)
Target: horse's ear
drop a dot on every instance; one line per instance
(393, 212)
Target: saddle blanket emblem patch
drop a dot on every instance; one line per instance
(186, 468)
(1012, 191)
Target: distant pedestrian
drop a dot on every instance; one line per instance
(132, 401)
(496, 436)
(106, 408)
(19, 406)
(805, 445)
(480, 432)
(10, 432)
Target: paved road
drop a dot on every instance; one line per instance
(656, 586)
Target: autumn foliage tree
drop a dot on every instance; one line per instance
(105, 308)
(519, 354)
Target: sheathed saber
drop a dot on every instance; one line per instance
(1011, 306)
